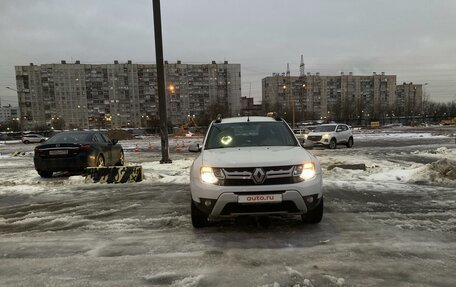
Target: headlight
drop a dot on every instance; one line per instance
(305, 171)
(326, 136)
(305, 136)
(211, 175)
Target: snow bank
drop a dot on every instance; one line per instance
(174, 279)
(394, 136)
(10, 142)
(335, 280)
(441, 152)
(177, 172)
(393, 169)
(443, 171)
(27, 181)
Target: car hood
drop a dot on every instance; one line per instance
(255, 156)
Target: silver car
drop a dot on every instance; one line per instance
(33, 138)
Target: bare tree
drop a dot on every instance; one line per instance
(58, 123)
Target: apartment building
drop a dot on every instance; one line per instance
(409, 99)
(347, 97)
(121, 95)
(8, 113)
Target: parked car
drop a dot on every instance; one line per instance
(75, 151)
(253, 166)
(33, 138)
(331, 135)
(301, 133)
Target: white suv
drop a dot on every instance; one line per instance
(253, 166)
(33, 138)
(331, 135)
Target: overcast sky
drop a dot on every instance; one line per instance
(414, 39)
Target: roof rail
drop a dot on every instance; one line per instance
(274, 115)
(219, 119)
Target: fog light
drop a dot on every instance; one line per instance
(208, 203)
(310, 199)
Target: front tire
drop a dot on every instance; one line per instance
(199, 219)
(26, 142)
(332, 143)
(45, 174)
(315, 215)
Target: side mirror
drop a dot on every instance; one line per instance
(114, 141)
(194, 148)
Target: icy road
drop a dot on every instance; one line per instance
(391, 225)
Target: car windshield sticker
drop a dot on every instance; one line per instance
(226, 140)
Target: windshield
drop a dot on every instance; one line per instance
(250, 134)
(329, 128)
(68, 138)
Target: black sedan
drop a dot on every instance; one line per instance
(74, 151)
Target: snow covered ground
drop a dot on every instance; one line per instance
(391, 225)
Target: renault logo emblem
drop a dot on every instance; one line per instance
(258, 176)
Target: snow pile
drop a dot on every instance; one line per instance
(442, 171)
(335, 280)
(307, 282)
(292, 272)
(162, 278)
(428, 166)
(174, 279)
(10, 142)
(438, 153)
(375, 136)
(177, 172)
(188, 281)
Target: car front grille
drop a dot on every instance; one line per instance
(272, 181)
(314, 138)
(259, 176)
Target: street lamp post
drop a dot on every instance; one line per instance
(425, 102)
(292, 103)
(303, 98)
(161, 82)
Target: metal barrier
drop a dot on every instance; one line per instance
(114, 174)
(18, 153)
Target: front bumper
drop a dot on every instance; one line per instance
(223, 201)
(322, 142)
